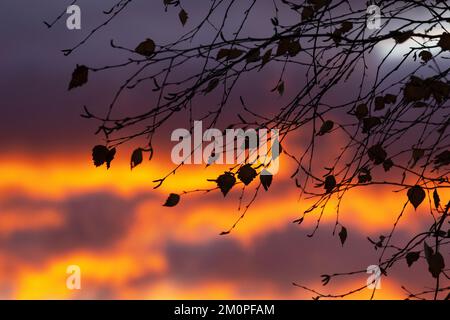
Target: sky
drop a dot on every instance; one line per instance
(57, 209)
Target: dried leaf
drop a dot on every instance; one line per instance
(172, 200)
(229, 54)
(136, 158)
(436, 199)
(307, 13)
(225, 182)
(370, 123)
(146, 48)
(377, 154)
(266, 179)
(79, 77)
(388, 164)
(212, 85)
(412, 257)
(361, 111)
(390, 98)
(343, 235)
(379, 103)
(254, 55)
(101, 154)
(183, 17)
(266, 57)
(444, 41)
(330, 183)
(435, 261)
(425, 55)
(442, 159)
(401, 36)
(294, 48)
(364, 176)
(416, 195)
(246, 174)
(346, 26)
(280, 88)
(283, 46)
(326, 127)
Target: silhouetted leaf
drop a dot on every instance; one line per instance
(318, 4)
(283, 46)
(418, 89)
(183, 17)
(229, 54)
(343, 235)
(136, 158)
(444, 41)
(212, 85)
(336, 36)
(401, 36)
(364, 175)
(254, 55)
(346, 26)
(246, 174)
(234, 54)
(390, 98)
(101, 154)
(110, 157)
(172, 200)
(361, 111)
(225, 182)
(388, 164)
(307, 13)
(425, 55)
(412, 257)
(417, 154)
(379, 103)
(436, 198)
(280, 88)
(294, 48)
(266, 57)
(416, 195)
(330, 183)
(266, 179)
(428, 251)
(370, 123)
(415, 90)
(79, 77)
(222, 54)
(326, 127)
(146, 48)
(377, 154)
(435, 261)
(442, 159)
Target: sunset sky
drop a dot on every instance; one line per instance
(57, 209)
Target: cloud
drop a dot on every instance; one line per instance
(279, 258)
(92, 221)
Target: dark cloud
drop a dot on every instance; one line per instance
(282, 257)
(93, 221)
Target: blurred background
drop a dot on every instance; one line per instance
(57, 209)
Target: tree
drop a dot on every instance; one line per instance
(392, 130)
